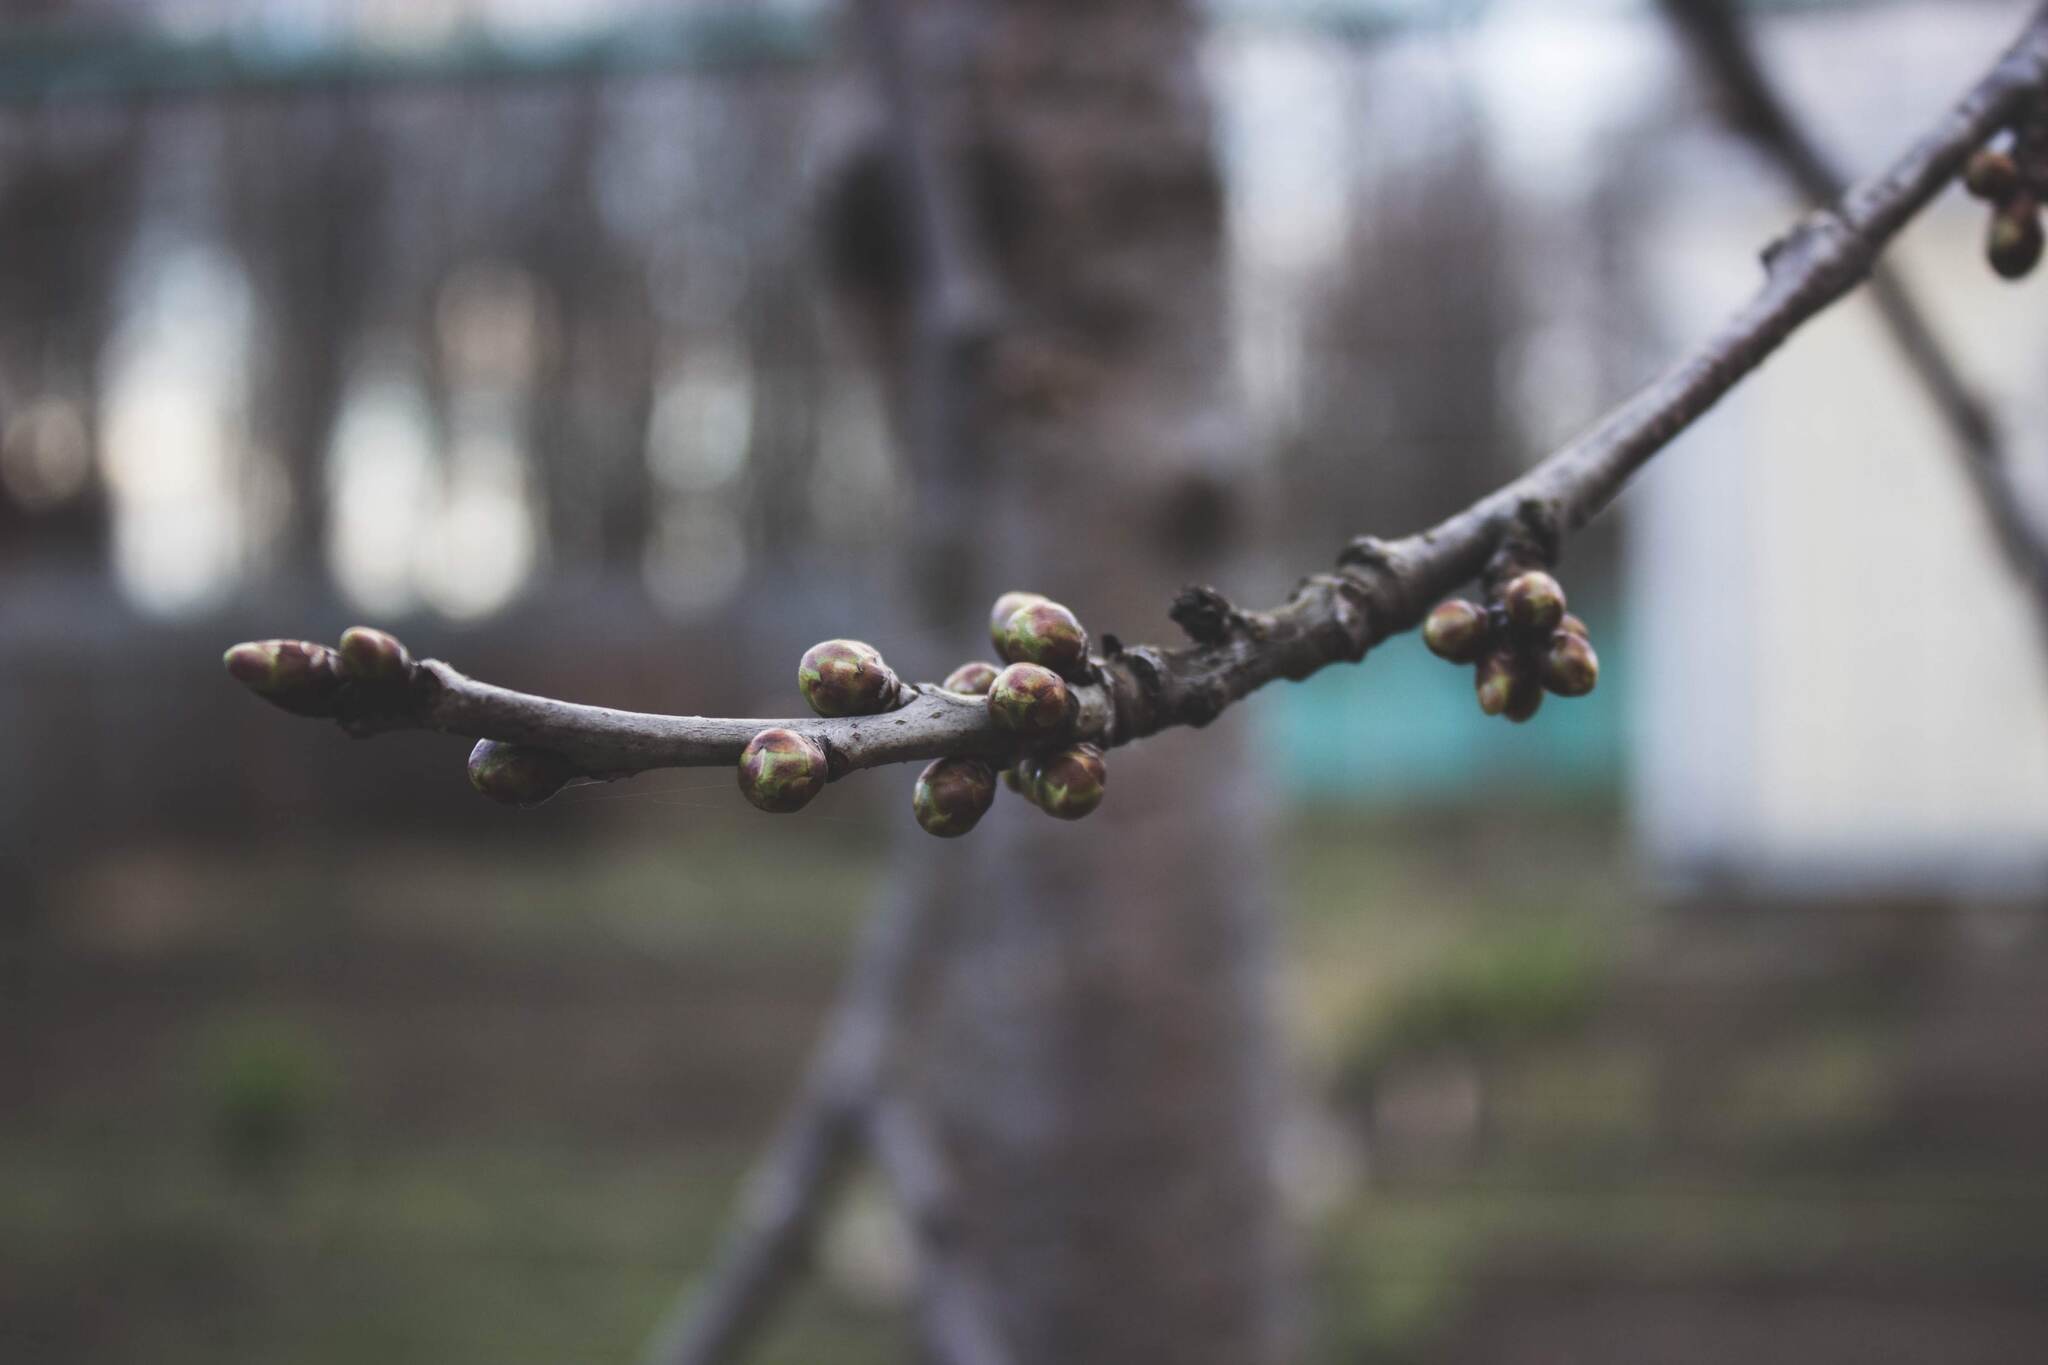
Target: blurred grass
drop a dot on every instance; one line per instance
(412, 1104)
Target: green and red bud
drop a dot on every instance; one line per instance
(971, 679)
(1047, 634)
(781, 770)
(1027, 699)
(1506, 683)
(1991, 175)
(1456, 630)
(951, 796)
(846, 678)
(374, 657)
(1007, 606)
(1020, 776)
(1570, 667)
(1069, 783)
(2014, 248)
(297, 675)
(1572, 625)
(517, 774)
(1534, 603)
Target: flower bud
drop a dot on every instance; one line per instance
(372, 656)
(1020, 778)
(517, 774)
(297, 675)
(1572, 625)
(781, 770)
(1534, 603)
(1525, 700)
(1506, 682)
(1456, 631)
(1026, 699)
(951, 796)
(970, 679)
(1570, 667)
(1047, 634)
(846, 678)
(2015, 245)
(1991, 175)
(1007, 606)
(1070, 782)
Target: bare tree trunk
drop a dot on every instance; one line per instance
(1098, 1054)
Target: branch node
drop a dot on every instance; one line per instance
(1206, 615)
(1367, 552)
(1820, 234)
(1347, 633)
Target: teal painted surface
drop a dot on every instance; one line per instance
(1404, 727)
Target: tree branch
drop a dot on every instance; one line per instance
(1720, 40)
(1380, 588)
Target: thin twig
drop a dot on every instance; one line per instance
(1379, 589)
(1720, 39)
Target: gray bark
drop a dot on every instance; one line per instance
(1098, 1058)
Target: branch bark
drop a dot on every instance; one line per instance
(1378, 589)
(1720, 40)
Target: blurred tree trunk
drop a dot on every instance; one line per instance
(1098, 1048)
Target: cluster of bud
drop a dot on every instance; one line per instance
(2015, 190)
(1043, 645)
(1526, 644)
(1044, 648)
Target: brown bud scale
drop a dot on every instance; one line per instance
(1505, 680)
(1991, 175)
(2014, 248)
(1534, 603)
(1570, 667)
(1456, 630)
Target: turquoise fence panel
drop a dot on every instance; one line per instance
(1404, 727)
